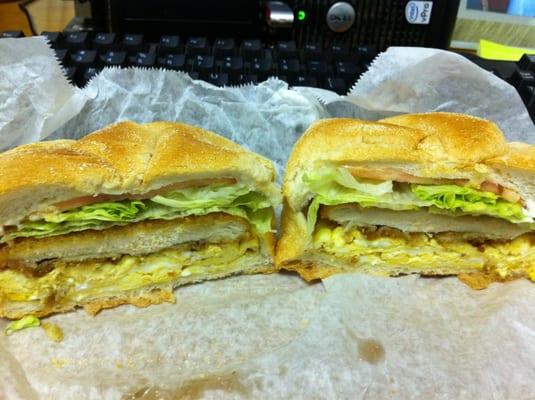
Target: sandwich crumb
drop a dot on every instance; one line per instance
(481, 280)
(53, 331)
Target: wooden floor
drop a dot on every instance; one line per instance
(48, 15)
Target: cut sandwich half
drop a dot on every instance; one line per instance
(128, 213)
(434, 194)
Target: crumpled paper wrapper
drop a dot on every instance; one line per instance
(349, 337)
(35, 98)
(267, 118)
(406, 80)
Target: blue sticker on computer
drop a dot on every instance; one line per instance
(418, 12)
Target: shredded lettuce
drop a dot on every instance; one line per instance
(323, 179)
(333, 186)
(237, 200)
(471, 201)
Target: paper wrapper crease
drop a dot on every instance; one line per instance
(349, 337)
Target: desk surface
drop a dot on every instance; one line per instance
(48, 15)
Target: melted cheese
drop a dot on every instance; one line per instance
(423, 251)
(76, 282)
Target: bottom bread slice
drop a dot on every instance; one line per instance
(140, 280)
(390, 252)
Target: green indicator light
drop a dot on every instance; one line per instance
(301, 15)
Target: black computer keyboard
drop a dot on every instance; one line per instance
(226, 61)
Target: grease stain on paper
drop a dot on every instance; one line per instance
(369, 350)
(194, 389)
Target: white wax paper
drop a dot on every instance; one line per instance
(267, 118)
(404, 80)
(349, 337)
(35, 98)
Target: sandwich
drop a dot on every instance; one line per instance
(431, 194)
(128, 213)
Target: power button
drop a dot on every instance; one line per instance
(340, 16)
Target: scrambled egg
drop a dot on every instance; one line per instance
(77, 281)
(423, 251)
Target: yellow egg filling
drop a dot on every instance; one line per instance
(407, 252)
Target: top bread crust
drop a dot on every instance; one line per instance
(456, 138)
(520, 156)
(435, 145)
(122, 158)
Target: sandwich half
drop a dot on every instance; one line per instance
(433, 194)
(128, 213)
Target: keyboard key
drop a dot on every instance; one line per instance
(250, 49)
(132, 43)
(224, 48)
(346, 70)
(367, 52)
(247, 78)
(527, 62)
(84, 75)
(54, 38)
(12, 34)
(317, 67)
(142, 59)
(61, 55)
(286, 49)
(528, 97)
(169, 45)
(522, 78)
(339, 52)
(173, 61)
(112, 58)
(76, 40)
(193, 75)
(262, 68)
(233, 66)
(312, 51)
(204, 65)
(290, 68)
(104, 41)
(337, 85)
(90, 73)
(83, 57)
(302, 80)
(197, 46)
(70, 73)
(218, 79)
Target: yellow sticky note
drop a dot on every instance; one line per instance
(496, 51)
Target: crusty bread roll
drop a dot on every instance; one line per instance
(435, 194)
(122, 158)
(126, 214)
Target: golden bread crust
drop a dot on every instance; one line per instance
(439, 145)
(193, 152)
(122, 158)
(454, 137)
(520, 156)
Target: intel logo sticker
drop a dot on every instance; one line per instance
(418, 12)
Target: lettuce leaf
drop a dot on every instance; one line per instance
(322, 180)
(235, 200)
(333, 186)
(471, 201)
(29, 321)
